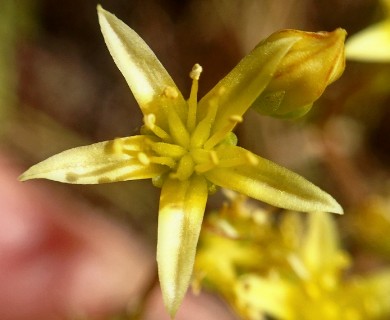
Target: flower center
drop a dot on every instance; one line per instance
(187, 145)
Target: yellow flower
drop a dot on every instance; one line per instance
(187, 148)
(237, 237)
(315, 288)
(371, 44)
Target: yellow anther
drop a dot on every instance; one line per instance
(165, 161)
(117, 146)
(170, 92)
(184, 169)
(204, 167)
(143, 158)
(235, 118)
(214, 158)
(252, 159)
(168, 150)
(195, 72)
(150, 120)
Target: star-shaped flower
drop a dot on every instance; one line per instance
(187, 147)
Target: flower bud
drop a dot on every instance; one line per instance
(313, 62)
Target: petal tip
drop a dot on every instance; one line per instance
(23, 177)
(337, 208)
(100, 9)
(29, 174)
(332, 206)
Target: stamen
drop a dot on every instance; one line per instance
(206, 166)
(168, 149)
(165, 161)
(193, 99)
(184, 169)
(143, 158)
(177, 129)
(248, 158)
(214, 158)
(252, 159)
(235, 118)
(150, 123)
(200, 155)
(117, 146)
(196, 71)
(202, 130)
(221, 134)
(170, 92)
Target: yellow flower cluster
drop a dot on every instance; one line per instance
(289, 269)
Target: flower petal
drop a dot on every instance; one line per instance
(101, 162)
(145, 75)
(238, 90)
(371, 44)
(257, 296)
(266, 181)
(320, 250)
(182, 206)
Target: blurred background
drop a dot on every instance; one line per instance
(87, 252)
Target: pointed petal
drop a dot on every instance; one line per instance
(321, 252)
(182, 206)
(145, 75)
(266, 181)
(238, 90)
(101, 162)
(371, 44)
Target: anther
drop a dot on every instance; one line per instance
(170, 92)
(252, 159)
(165, 161)
(143, 158)
(196, 71)
(214, 158)
(150, 120)
(117, 146)
(168, 150)
(235, 118)
(150, 123)
(184, 169)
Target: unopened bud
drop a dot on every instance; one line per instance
(312, 63)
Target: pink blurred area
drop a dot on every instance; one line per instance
(60, 259)
(195, 307)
